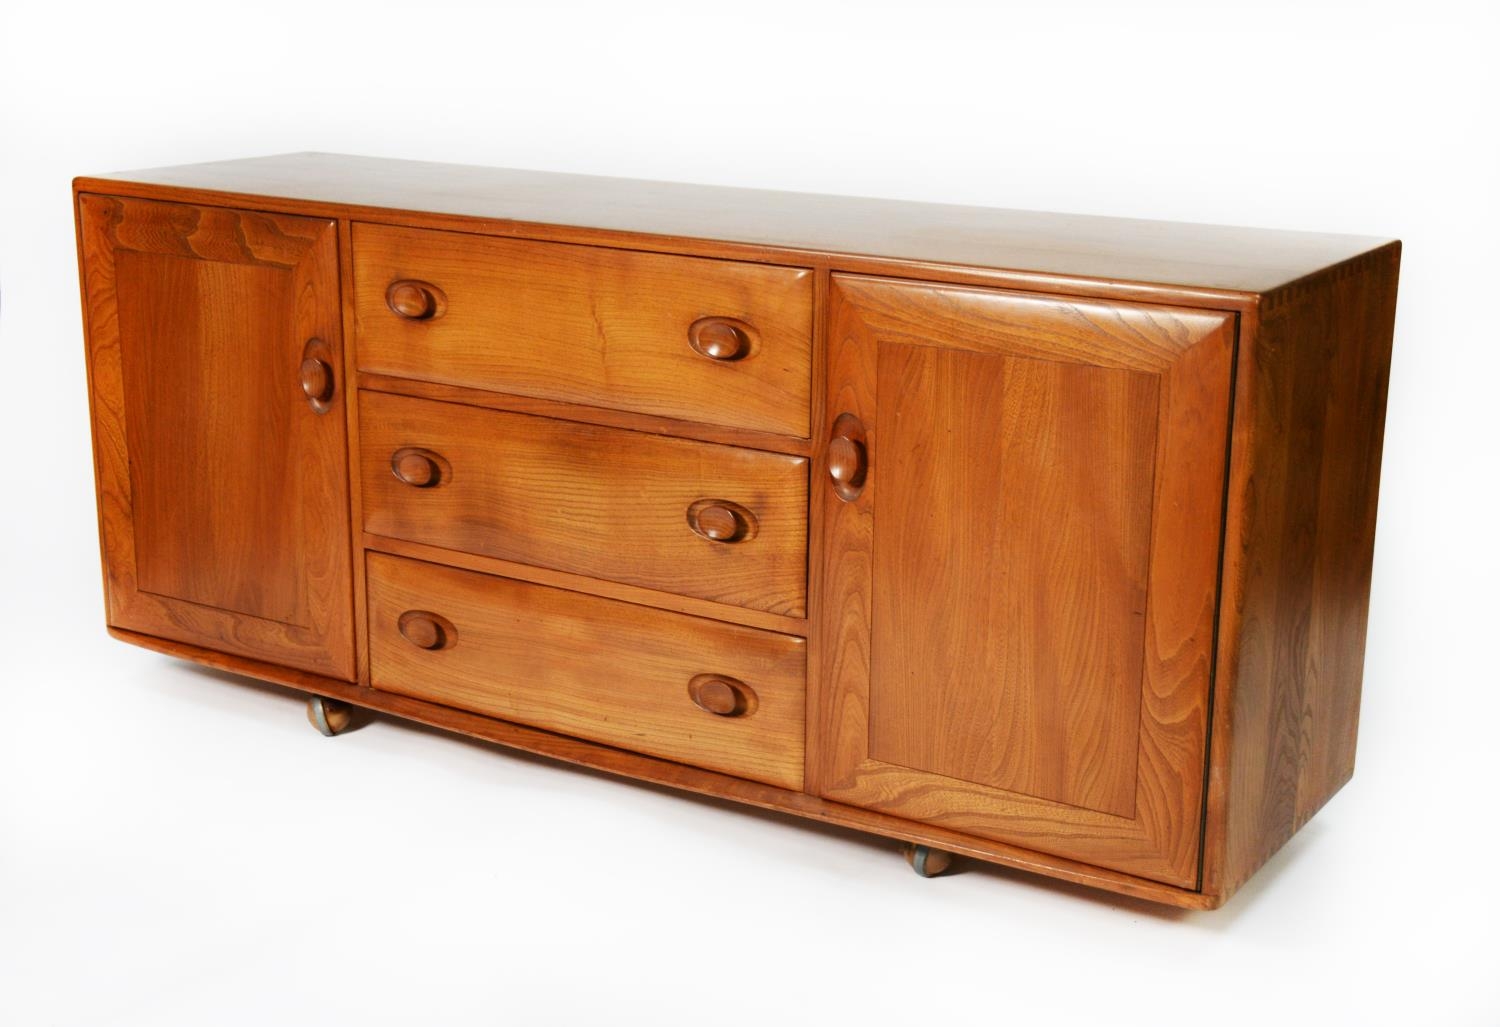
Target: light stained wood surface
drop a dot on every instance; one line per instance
(599, 394)
(351, 420)
(593, 326)
(1026, 676)
(586, 414)
(1114, 249)
(589, 500)
(583, 583)
(1040, 695)
(590, 667)
(223, 493)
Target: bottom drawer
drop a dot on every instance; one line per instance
(715, 695)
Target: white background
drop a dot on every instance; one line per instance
(179, 847)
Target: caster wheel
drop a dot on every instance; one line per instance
(329, 716)
(928, 862)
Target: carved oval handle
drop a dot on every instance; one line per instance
(317, 380)
(416, 300)
(315, 376)
(848, 461)
(719, 520)
(720, 338)
(426, 630)
(722, 696)
(419, 468)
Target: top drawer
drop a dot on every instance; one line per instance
(715, 341)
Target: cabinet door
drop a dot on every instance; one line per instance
(219, 433)
(1021, 552)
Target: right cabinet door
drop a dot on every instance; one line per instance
(1021, 549)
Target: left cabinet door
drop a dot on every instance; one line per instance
(215, 381)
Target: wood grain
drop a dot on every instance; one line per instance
(582, 583)
(818, 501)
(189, 335)
(591, 667)
(223, 497)
(587, 325)
(927, 606)
(602, 416)
(1309, 423)
(351, 417)
(589, 500)
(509, 201)
(1019, 491)
(680, 777)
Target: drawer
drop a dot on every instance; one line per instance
(593, 668)
(715, 341)
(608, 503)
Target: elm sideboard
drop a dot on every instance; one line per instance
(1039, 539)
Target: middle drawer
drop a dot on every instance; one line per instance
(695, 518)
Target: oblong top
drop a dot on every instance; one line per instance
(1250, 260)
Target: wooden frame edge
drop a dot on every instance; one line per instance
(1216, 795)
(88, 369)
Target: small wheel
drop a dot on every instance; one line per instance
(329, 716)
(928, 862)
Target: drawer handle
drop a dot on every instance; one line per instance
(420, 468)
(720, 338)
(426, 630)
(415, 300)
(719, 520)
(848, 460)
(722, 696)
(315, 376)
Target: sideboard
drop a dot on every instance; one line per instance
(1039, 539)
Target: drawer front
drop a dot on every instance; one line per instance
(593, 668)
(715, 341)
(623, 505)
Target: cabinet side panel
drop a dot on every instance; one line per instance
(1299, 545)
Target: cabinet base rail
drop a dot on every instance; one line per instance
(934, 845)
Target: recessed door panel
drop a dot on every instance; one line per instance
(1019, 491)
(191, 337)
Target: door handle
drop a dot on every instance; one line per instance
(848, 459)
(315, 376)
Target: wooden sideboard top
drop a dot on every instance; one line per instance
(1249, 260)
